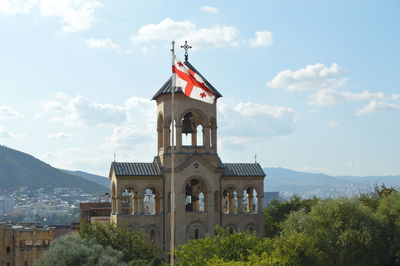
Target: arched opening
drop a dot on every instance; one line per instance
(151, 201)
(200, 135)
(230, 203)
(195, 196)
(152, 235)
(187, 129)
(130, 202)
(250, 200)
(196, 233)
(8, 249)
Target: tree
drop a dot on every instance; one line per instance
(224, 246)
(337, 232)
(71, 250)
(133, 245)
(278, 211)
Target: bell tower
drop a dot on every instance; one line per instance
(195, 123)
(206, 191)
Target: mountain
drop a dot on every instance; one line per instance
(21, 169)
(104, 181)
(289, 182)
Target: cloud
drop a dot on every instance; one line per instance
(80, 111)
(5, 134)
(333, 124)
(396, 97)
(209, 9)
(106, 43)
(75, 15)
(61, 136)
(378, 107)
(329, 97)
(7, 112)
(312, 77)
(261, 38)
(168, 29)
(241, 122)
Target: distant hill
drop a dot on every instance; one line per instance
(21, 169)
(104, 181)
(289, 182)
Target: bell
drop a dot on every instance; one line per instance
(187, 124)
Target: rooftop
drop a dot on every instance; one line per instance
(167, 87)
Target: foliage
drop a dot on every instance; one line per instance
(134, 246)
(338, 232)
(277, 212)
(372, 199)
(225, 246)
(72, 250)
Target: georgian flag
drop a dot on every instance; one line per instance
(191, 83)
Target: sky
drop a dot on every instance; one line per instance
(307, 85)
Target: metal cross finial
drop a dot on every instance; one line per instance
(255, 157)
(186, 47)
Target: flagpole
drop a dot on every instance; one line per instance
(173, 85)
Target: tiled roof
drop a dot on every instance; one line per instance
(167, 87)
(243, 169)
(135, 169)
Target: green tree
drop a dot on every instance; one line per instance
(278, 211)
(389, 208)
(133, 245)
(71, 250)
(336, 232)
(224, 246)
(372, 199)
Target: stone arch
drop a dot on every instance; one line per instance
(251, 227)
(151, 199)
(130, 199)
(195, 191)
(230, 201)
(191, 120)
(250, 199)
(231, 227)
(206, 182)
(194, 228)
(153, 233)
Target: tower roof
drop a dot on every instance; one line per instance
(167, 87)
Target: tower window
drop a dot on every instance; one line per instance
(8, 249)
(152, 234)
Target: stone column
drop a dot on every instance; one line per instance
(166, 138)
(240, 203)
(250, 202)
(118, 205)
(230, 202)
(157, 203)
(178, 137)
(260, 204)
(206, 137)
(214, 138)
(194, 138)
(141, 204)
(135, 204)
(113, 205)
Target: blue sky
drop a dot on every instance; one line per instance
(307, 85)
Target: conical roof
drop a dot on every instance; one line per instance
(167, 87)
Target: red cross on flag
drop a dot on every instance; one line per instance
(191, 83)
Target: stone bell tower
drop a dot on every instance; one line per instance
(207, 191)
